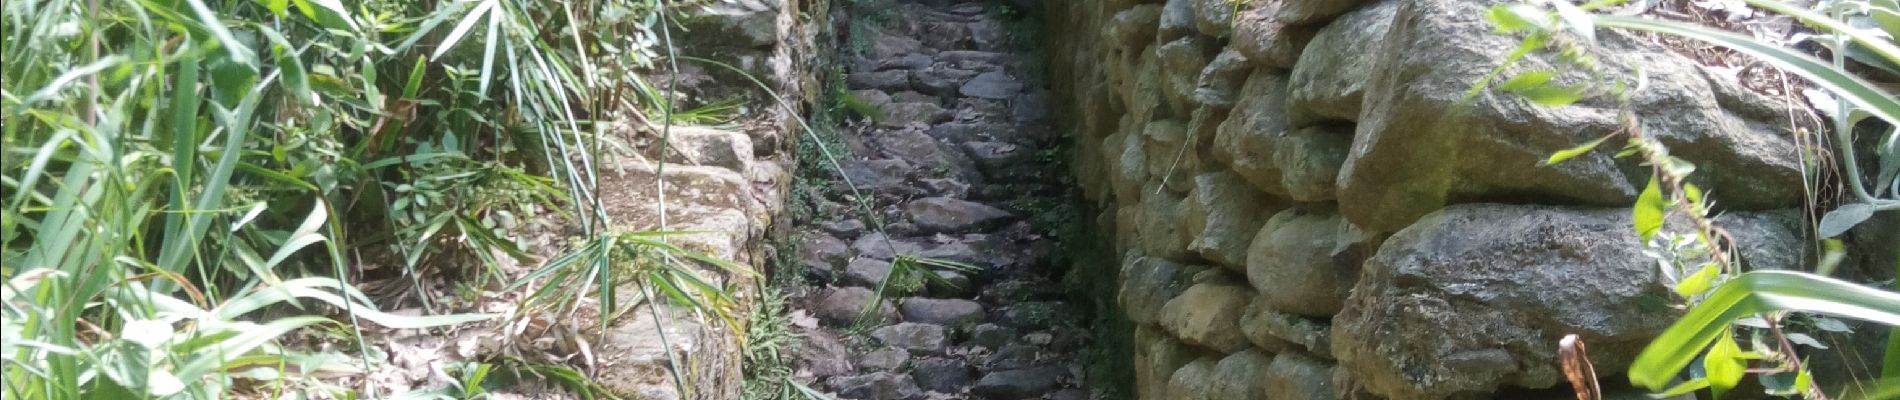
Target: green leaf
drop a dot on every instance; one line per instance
(1573, 152)
(1845, 218)
(1724, 365)
(1515, 17)
(1647, 215)
(1685, 388)
(280, 8)
(461, 29)
(414, 86)
(1698, 282)
(1552, 95)
(1576, 19)
(1889, 21)
(239, 53)
(1528, 80)
(1750, 294)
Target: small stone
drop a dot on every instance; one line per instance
(843, 306)
(991, 336)
(849, 228)
(950, 284)
(1015, 355)
(991, 85)
(943, 375)
(889, 81)
(922, 338)
(904, 114)
(948, 312)
(823, 354)
(907, 62)
(943, 214)
(1019, 384)
(876, 386)
(885, 360)
(1039, 338)
(866, 272)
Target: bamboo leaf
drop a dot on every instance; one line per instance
(1754, 293)
(1573, 152)
(461, 28)
(1648, 212)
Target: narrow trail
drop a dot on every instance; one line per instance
(956, 168)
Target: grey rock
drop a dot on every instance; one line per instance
(905, 62)
(875, 175)
(943, 214)
(1266, 41)
(1149, 282)
(1177, 20)
(1157, 357)
(1223, 214)
(1069, 394)
(1214, 18)
(1305, 12)
(1218, 84)
(991, 85)
(940, 81)
(884, 360)
(1277, 331)
(1295, 376)
(904, 114)
(1181, 63)
(950, 284)
(961, 132)
(991, 336)
(925, 339)
(842, 306)
(1208, 315)
(876, 386)
(1330, 80)
(1237, 376)
(821, 252)
(1258, 144)
(1411, 155)
(1195, 381)
(866, 272)
(943, 375)
(1133, 28)
(1572, 270)
(968, 59)
(849, 228)
(879, 246)
(1305, 261)
(947, 312)
(1020, 383)
(1037, 315)
(1015, 355)
(999, 160)
(889, 81)
(706, 146)
(823, 354)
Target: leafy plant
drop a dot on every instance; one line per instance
(1699, 264)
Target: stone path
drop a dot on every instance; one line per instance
(958, 143)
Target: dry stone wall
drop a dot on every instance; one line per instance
(727, 183)
(1302, 215)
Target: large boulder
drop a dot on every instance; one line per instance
(1496, 286)
(1305, 260)
(1264, 39)
(1208, 315)
(1330, 79)
(1294, 376)
(1420, 146)
(1194, 381)
(1237, 376)
(1223, 215)
(1157, 357)
(1149, 282)
(1258, 143)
